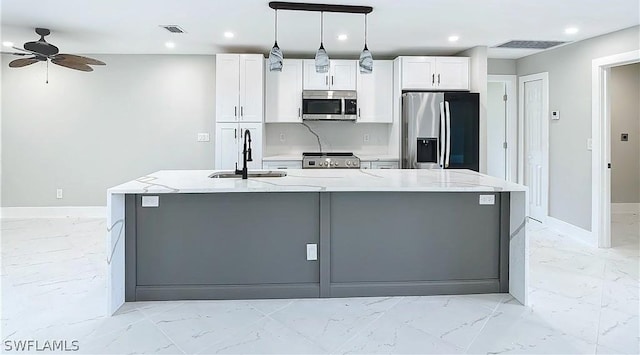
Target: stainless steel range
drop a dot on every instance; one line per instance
(330, 161)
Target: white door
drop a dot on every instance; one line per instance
(496, 129)
(256, 145)
(313, 80)
(284, 92)
(251, 84)
(226, 153)
(452, 73)
(343, 74)
(534, 108)
(227, 87)
(375, 93)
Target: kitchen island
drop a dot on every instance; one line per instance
(315, 233)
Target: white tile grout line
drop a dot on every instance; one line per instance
(167, 336)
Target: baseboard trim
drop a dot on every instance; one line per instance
(54, 212)
(571, 230)
(625, 208)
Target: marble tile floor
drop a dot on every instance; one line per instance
(583, 300)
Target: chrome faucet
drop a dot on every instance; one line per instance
(246, 155)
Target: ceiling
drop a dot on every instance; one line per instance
(396, 27)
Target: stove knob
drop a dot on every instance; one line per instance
(348, 162)
(337, 163)
(326, 163)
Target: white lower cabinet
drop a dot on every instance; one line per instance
(384, 165)
(229, 143)
(282, 164)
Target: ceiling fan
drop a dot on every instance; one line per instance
(42, 51)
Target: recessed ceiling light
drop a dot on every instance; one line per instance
(170, 45)
(7, 44)
(453, 38)
(229, 34)
(342, 37)
(571, 30)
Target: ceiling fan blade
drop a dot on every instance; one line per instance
(22, 62)
(15, 53)
(72, 65)
(79, 59)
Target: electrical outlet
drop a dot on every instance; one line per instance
(203, 137)
(282, 137)
(487, 199)
(312, 251)
(58, 193)
(365, 138)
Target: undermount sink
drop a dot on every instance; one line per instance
(250, 174)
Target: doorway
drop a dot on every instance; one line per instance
(601, 142)
(533, 140)
(502, 127)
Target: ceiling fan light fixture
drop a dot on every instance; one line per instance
(275, 55)
(7, 44)
(366, 59)
(322, 58)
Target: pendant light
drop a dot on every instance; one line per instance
(275, 56)
(366, 59)
(322, 58)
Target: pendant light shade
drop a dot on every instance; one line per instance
(322, 58)
(275, 55)
(366, 59)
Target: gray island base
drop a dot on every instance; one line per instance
(249, 243)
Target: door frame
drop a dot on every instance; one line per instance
(511, 129)
(601, 143)
(545, 137)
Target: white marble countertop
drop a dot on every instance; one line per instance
(330, 180)
(363, 157)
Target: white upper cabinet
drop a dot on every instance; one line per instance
(284, 92)
(239, 87)
(341, 75)
(375, 93)
(435, 73)
(418, 72)
(453, 73)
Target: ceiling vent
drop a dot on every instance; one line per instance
(173, 28)
(530, 44)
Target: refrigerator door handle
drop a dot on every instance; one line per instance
(448, 119)
(443, 135)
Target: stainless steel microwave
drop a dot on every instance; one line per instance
(334, 105)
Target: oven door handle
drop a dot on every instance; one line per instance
(343, 107)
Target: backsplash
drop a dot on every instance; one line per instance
(295, 138)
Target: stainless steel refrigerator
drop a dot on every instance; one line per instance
(440, 130)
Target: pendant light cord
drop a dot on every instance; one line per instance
(321, 27)
(276, 29)
(365, 30)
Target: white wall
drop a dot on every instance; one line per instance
(84, 132)
(625, 118)
(501, 66)
(569, 69)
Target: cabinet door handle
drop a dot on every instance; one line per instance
(235, 111)
(359, 113)
(242, 111)
(433, 79)
(235, 133)
(438, 79)
(326, 80)
(298, 112)
(331, 79)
